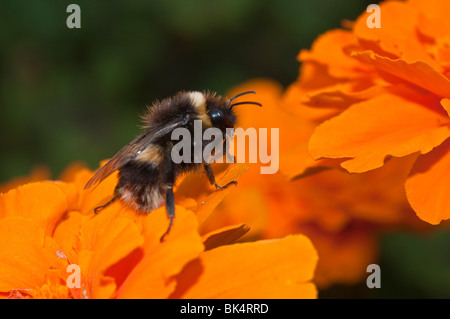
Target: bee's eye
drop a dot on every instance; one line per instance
(217, 117)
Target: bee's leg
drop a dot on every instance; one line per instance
(230, 158)
(99, 208)
(169, 181)
(212, 179)
(170, 207)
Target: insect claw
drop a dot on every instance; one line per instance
(223, 187)
(167, 231)
(100, 208)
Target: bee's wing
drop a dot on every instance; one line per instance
(131, 150)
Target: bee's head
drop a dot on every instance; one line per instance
(220, 110)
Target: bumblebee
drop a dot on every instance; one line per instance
(146, 171)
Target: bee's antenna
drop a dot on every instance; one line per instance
(240, 94)
(239, 103)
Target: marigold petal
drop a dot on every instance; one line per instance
(280, 268)
(397, 37)
(43, 202)
(52, 291)
(211, 202)
(72, 194)
(327, 50)
(337, 96)
(446, 105)
(270, 115)
(70, 173)
(418, 72)
(67, 234)
(293, 98)
(278, 113)
(245, 204)
(106, 240)
(344, 257)
(29, 258)
(432, 19)
(295, 160)
(97, 195)
(152, 276)
(427, 186)
(368, 132)
(224, 236)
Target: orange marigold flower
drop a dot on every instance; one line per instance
(342, 214)
(384, 92)
(49, 226)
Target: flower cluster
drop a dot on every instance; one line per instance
(385, 93)
(48, 226)
(371, 101)
(341, 213)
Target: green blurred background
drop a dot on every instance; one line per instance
(74, 94)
